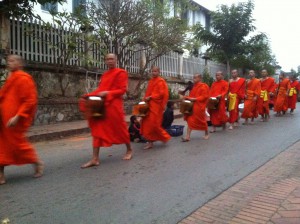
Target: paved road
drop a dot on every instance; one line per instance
(162, 185)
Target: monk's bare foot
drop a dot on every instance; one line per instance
(39, 170)
(230, 127)
(185, 139)
(206, 137)
(128, 155)
(149, 145)
(90, 164)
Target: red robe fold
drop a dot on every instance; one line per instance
(219, 117)
(268, 86)
(281, 103)
(236, 87)
(253, 88)
(18, 96)
(292, 99)
(197, 121)
(112, 129)
(151, 125)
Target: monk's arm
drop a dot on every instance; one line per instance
(28, 95)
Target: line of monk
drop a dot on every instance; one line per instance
(18, 102)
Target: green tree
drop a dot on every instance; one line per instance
(15, 8)
(138, 30)
(22, 8)
(71, 43)
(230, 25)
(257, 55)
(207, 78)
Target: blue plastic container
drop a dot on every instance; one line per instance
(175, 130)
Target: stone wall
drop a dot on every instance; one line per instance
(55, 107)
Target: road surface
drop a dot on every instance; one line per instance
(162, 185)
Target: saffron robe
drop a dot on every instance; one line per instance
(293, 93)
(236, 87)
(267, 87)
(18, 96)
(112, 128)
(151, 125)
(281, 103)
(253, 88)
(219, 116)
(197, 120)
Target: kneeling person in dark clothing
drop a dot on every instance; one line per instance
(168, 115)
(134, 130)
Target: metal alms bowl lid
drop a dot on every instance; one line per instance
(95, 98)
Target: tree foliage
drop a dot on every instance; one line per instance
(230, 25)
(71, 43)
(21, 8)
(138, 30)
(257, 55)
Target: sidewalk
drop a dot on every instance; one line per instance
(270, 195)
(66, 129)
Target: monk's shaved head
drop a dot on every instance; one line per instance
(14, 62)
(111, 60)
(111, 55)
(197, 77)
(219, 75)
(155, 70)
(18, 58)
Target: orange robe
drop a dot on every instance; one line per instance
(112, 129)
(292, 99)
(253, 88)
(267, 87)
(151, 125)
(281, 103)
(18, 96)
(219, 116)
(236, 87)
(197, 120)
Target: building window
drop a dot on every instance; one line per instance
(78, 3)
(50, 7)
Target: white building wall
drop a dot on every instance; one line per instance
(46, 16)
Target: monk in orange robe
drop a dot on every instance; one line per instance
(218, 90)
(157, 95)
(281, 104)
(267, 88)
(293, 94)
(18, 102)
(112, 129)
(199, 95)
(253, 88)
(236, 95)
